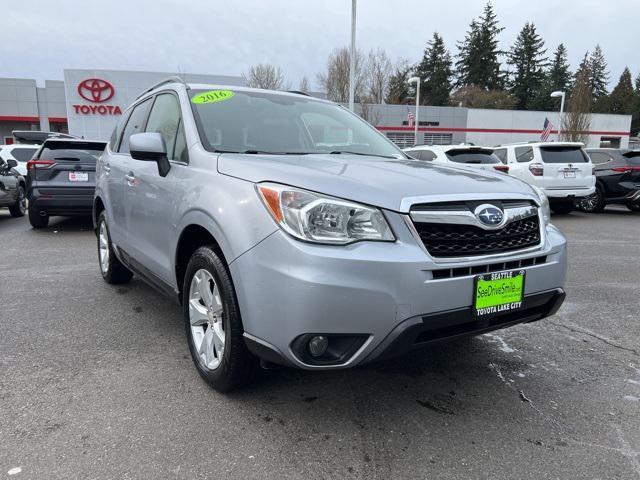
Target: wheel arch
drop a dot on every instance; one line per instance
(98, 207)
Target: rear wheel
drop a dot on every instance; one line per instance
(562, 207)
(112, 270)
(594, 203)
(36, 219)
(18, 209)
(213, 323)
(634, 207)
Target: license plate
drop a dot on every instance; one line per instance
(569, 174)
(498, 292)
(78, 177)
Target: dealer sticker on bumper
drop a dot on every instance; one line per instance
(498, 292)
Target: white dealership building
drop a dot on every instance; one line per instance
(89, 102)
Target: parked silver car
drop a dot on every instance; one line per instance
(292, 231)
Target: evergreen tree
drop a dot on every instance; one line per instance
(478, 62)
(398, 89)
(622, 99)
(557, 78)
(527, 57)
(435, 73)
(599, 77)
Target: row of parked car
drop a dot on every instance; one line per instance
(569, 175)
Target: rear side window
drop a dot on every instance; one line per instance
(427, 155)
(563, 155)
(23, 154)
(413, 154)
(598, 158)
(134, 124)
(633, 157)
(472, 156)
(83, 152)
(501, 154)
(165, 120)
(524, 154)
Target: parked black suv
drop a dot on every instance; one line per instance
(617, 179)
(12, 188)
(61, 179)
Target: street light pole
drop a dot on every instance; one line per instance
(416, 80)
(561, 95)
(352, 62)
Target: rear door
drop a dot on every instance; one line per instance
(66, 167)
(566, 167)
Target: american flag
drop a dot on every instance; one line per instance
(548, 126)
(411, 119)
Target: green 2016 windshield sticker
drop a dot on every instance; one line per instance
(212, 96)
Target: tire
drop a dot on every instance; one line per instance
(634, 207)
(112, 270)
(213, 323)
(36, 220)
(20, 207)
(594, 203)
(562, 207)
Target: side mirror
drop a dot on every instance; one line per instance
(11, 163)
(150, 147)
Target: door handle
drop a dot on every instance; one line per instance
(130, 179)
(106, 168)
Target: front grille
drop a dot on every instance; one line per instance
(452, 240)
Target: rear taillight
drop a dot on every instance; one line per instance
(33, 164)
(536, 169)
(626, 169)
(502, 168)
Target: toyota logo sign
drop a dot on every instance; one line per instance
(96, 90)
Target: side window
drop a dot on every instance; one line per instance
(114, 141)
(134, 124)
(165, 120)
(413, 154)
(598, 158)
(501, 154)
(427, 155)
(524, 154)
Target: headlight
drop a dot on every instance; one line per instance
(322, 219)
(544, 204)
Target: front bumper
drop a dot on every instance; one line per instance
(287, 288)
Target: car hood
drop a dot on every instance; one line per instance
(393, 184)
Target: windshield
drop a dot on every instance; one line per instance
(563, 155)
(264, 122)
(472, 156)
(85, 152)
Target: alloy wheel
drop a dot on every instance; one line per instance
(103, 247)
(206, 318)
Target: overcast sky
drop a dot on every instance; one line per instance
(41, 38)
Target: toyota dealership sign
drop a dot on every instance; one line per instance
(96, 92)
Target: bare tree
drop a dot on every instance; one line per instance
(368, 111)
(304, 85)
(577, 120)
(335, 81)
(267, 76)
(378, 71)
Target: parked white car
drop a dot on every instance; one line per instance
(562, 170)
(19, 152)
(467, 155)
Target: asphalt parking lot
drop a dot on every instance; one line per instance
(96, 382)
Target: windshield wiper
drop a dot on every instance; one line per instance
(338, 152)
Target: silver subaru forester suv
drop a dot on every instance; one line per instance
(294, 233)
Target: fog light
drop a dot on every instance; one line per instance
(318, 345)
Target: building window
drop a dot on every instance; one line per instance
(609, 142)
(402, 140)
(438, 138)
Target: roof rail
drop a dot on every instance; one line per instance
(172, 79)
(299, 92)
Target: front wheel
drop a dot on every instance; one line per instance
(112, 269)
(634, 207)
(562, 207)
(213, 323)
(18, 209)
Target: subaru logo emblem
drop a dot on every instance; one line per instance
(489, 215)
